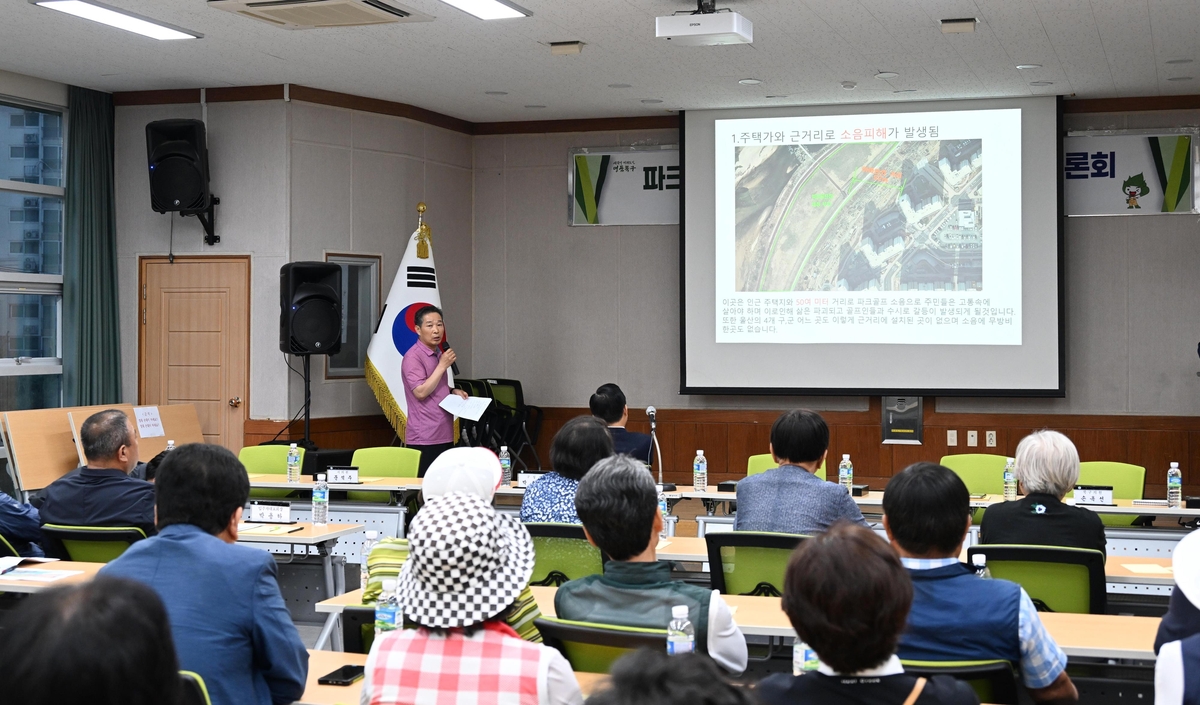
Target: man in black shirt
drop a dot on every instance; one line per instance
(609, 404)
(1047, 468)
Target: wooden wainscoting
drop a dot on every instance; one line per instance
(729, 437)
(345, 432)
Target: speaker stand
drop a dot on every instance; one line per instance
(308, 444)
(208, 219)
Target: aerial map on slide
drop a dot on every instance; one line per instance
(860, 216)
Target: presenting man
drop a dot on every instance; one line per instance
(429, 428)
(608, 403)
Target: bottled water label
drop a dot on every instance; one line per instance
(803, 658)
(676, 646)
(385, 618)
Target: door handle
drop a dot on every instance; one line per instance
(235, 402)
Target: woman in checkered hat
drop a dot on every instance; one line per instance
(467, 565)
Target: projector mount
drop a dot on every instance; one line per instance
(703, 7)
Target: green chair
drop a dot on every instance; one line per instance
(90, 544)
(993, 681)
(192, 690)
(1061, 579)
(267, 460)
(762, 463)
(562, 553)
(358, 629)
(591, 647)
(1128, 482)
(386, 461)
(982, 473)
(749, 562)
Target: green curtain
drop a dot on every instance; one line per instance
(91, 326)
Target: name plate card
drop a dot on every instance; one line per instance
(343, 476)
(1093, 494)
(524, 478)
(270, 512)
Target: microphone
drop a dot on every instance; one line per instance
(654, 447)
(444, 347)
(651, 411)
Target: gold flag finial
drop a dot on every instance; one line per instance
(424, 236)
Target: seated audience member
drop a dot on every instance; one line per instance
(147, 471)
(227, 615)
(1047, 468)
(474, 471)
(103, 642)
(956, 615)
(652, 678)
(1182, 619)
(467, 566)
(847, 597)
(577, 446)
(1176, 676)
(618, 503)
(20, 526)
(790, 499)
(101, 493)
(608, 404)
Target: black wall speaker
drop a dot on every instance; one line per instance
(310, 308)
(178, 156)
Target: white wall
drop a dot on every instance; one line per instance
(36, 89)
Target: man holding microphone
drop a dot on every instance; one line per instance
(429, 428)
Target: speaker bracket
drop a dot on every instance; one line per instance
(208, 219)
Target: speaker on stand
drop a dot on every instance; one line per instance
(177, 152)
(310, 318)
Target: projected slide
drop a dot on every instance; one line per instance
(887, 228)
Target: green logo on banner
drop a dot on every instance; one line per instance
(1172, 161)
(590, 172)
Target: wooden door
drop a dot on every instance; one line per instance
(195, 342)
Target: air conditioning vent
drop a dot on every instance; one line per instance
(312, 14)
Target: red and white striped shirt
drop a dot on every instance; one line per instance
(494, 666)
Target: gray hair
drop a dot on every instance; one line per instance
(1047, 462)
(103, 434)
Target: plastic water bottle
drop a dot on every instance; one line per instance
(681, 635)
(370, 538)
(1174, 486)
(320, 502)
(170, 446)
(387, 608)
(803, 658)
(664, 510)
(846, 473)
(979, 563)
(505, 466)
(1010, 480)
(293, 464)
(700, 472)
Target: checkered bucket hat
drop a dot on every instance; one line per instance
(466, 564)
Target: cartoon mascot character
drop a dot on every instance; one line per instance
(1135, 187)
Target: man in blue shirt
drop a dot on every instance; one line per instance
(20, 526)
(101, 493)
(790, 499)
(608, 403)
(956, 615)
(228, 617)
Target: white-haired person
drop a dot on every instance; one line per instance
(1047, 468)
(467, 567)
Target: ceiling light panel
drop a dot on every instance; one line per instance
(113, 17)
(490, 9)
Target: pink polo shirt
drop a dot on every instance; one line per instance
(428, 424)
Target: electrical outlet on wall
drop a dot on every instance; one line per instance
(972, 438)
(990, 439)
(952, 437)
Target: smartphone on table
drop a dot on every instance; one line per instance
(342, 676)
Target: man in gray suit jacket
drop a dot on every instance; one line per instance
(791, 499)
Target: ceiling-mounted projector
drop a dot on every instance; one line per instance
(705, 27)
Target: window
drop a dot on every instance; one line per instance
(31, 233)
(360, 309)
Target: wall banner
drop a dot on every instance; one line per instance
(623, 185)
(1124, 174)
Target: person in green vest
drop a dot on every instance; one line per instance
(618, 505)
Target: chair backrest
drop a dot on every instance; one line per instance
(6, 548)
(1128, 482)
(266, 460)
(993, 681)
(91, 544)
(749, 562)
(1062, 579)
(562, 553)
(358, 629)
(980, 472)
(507, 392)
(756, 464)
(591, 647)
(192, 690)
(384, 461)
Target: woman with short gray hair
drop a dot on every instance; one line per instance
(1047, 468)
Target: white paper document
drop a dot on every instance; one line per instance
(470, 408)
(7, 563)
(149, 422)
